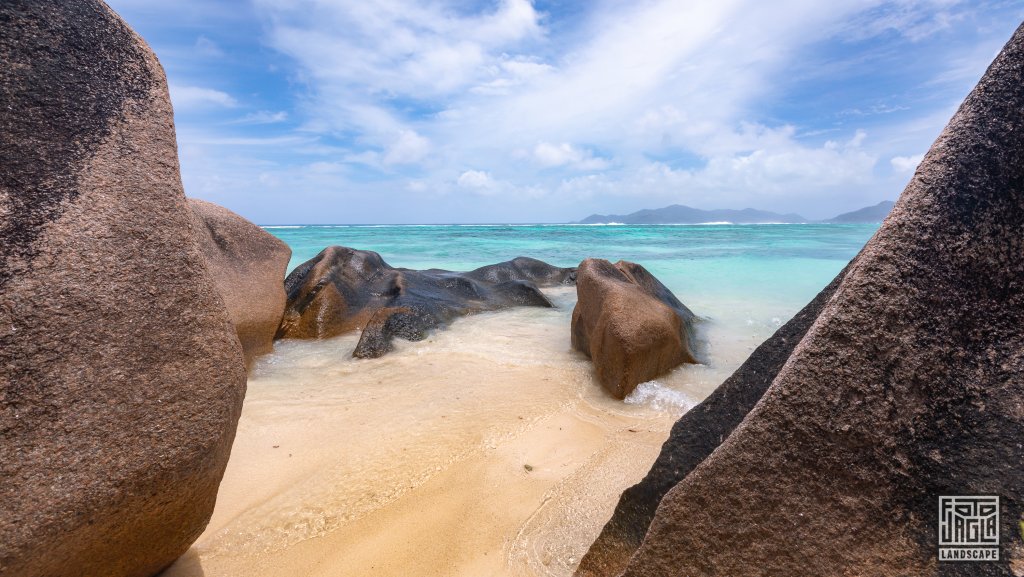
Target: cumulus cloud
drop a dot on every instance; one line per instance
(648, 102)
(476, 179)
(401, 47)
(189, 97)
(565, 154)
(408, 147)
(263, 117)
(906, 163)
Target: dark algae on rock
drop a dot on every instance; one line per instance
(69, 74)
(907, 385)
(343, 289)
(122, 379)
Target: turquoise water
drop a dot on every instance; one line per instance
(463, 410)
(755, 273)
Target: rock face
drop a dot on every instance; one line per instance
(630, 325)
(122, 378)
(248, 265)
(694, 436)
(342, 289)
(908, 385)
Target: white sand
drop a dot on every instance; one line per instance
(416, 463)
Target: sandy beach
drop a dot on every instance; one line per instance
(486, 450)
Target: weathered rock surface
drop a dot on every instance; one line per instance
(525, 269)
(693, 437)
(248, 265)
(908, 385)
(122, 379)
(630, 325)
(342, 289)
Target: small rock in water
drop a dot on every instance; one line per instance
(629, 324)
(343, 290)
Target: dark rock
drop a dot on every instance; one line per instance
(248, 265)
(342, 289)
(693, 437)
(525, 268)
(122, 377)
(908, 385)
(630, 325)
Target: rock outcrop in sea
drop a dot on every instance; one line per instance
(907, 384)
(122, 379)
(343, 289)
(630, 325)
(248, 265)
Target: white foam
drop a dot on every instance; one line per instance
(660, 397)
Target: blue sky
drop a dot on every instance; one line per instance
(412, 111)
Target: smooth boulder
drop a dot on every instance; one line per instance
(908, 385)
(343, 289)
(629, 324)
(122, 377)
(248, 265)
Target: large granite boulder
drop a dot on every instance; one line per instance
(630, 325)
(693, 437)
(248, 265)
(122, 378)
(908, 385)
(343, 289)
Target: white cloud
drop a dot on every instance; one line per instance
(509, 73)
(407, 148)
(906, 163)
(263, 117)
(687, 87)
(913, 19)
(191, 97)
(476, 179)
(368, 62)
(208, 48)
(565, 154)
(398, 47)
(644, 103)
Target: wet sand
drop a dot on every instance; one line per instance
(486, 450)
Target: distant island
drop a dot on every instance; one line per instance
(876, 213)
(681, 214)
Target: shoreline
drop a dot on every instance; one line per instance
(444, 488)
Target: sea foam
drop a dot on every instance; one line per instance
(659, 397)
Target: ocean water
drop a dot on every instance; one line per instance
(721, 271)
(487, 448)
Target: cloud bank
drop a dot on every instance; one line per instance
(405, 111)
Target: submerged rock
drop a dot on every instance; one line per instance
(122, 378)
(343, 289)
(630, 325)
(525, 268)
(248, 265)
(906, 386)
